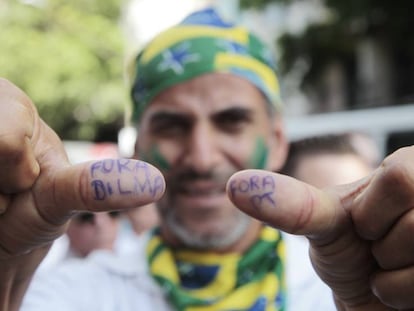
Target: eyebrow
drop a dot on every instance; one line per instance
(163, 116)
(233, 112)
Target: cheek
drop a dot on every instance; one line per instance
(160, 155)
(248, 153)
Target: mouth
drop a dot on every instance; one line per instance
(201, 193)
(201, 188)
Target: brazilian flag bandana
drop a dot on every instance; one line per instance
(201, 43)
(195, 281)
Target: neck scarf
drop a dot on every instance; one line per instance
(195, 281)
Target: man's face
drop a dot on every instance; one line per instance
(198, 134)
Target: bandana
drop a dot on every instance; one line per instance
(202, 43)
(195, 281)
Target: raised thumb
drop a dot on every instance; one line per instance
(288, 204)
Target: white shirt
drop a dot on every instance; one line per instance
(109, 282)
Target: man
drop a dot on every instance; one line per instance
(200, 125)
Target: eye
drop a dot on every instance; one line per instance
(233, 120)
(169, 125)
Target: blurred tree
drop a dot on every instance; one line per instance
(68, 56)
(371, 40)
(259, 4)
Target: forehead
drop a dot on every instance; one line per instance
(207, 94)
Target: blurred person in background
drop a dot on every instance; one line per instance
(207, 104)
(367, 147)
(92, 231)
(331, 159)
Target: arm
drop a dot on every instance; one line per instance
(40, 190)
(360, 234)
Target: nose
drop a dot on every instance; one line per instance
(203, 151)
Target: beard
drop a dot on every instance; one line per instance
(207, 240)
(226, 228)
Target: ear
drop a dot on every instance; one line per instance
(136, 152)
(278, 146)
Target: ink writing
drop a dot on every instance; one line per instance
(120, 166)
(126, 183)
(259, 189)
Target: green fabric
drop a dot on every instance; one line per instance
(187, 276)
(202, 43)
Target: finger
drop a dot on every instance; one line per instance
(395, 288)
(388, 197)
(339, 256)
(286, 203)
(17, 161)
(105, 185)
(396, 249)
(18, 165)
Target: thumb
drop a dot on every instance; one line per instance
(105, 185)
(340, 257)
(289, 204)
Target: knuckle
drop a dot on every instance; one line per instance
(396, 168)
(305, 212)
(398, 181)
(394, 288)
(12, 147)
(384, 250)
(389, 297)
(83, 188)
(393, 173)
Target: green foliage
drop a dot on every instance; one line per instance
(388, 22)
(319, 45)
(68, 57)
(259, 4)
(390, 19)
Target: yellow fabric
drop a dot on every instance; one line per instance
(225, 60)
(226, 290)
(175, 35)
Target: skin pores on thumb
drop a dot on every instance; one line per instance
(110, 184)
(285, 203)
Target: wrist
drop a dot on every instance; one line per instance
(15, 275)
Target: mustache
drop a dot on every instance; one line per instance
(187, 176)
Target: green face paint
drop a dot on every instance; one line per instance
(260, 154)
(155, 157)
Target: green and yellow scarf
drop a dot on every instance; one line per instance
(195, 281)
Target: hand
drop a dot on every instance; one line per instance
(360, 234)
(40, 190)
